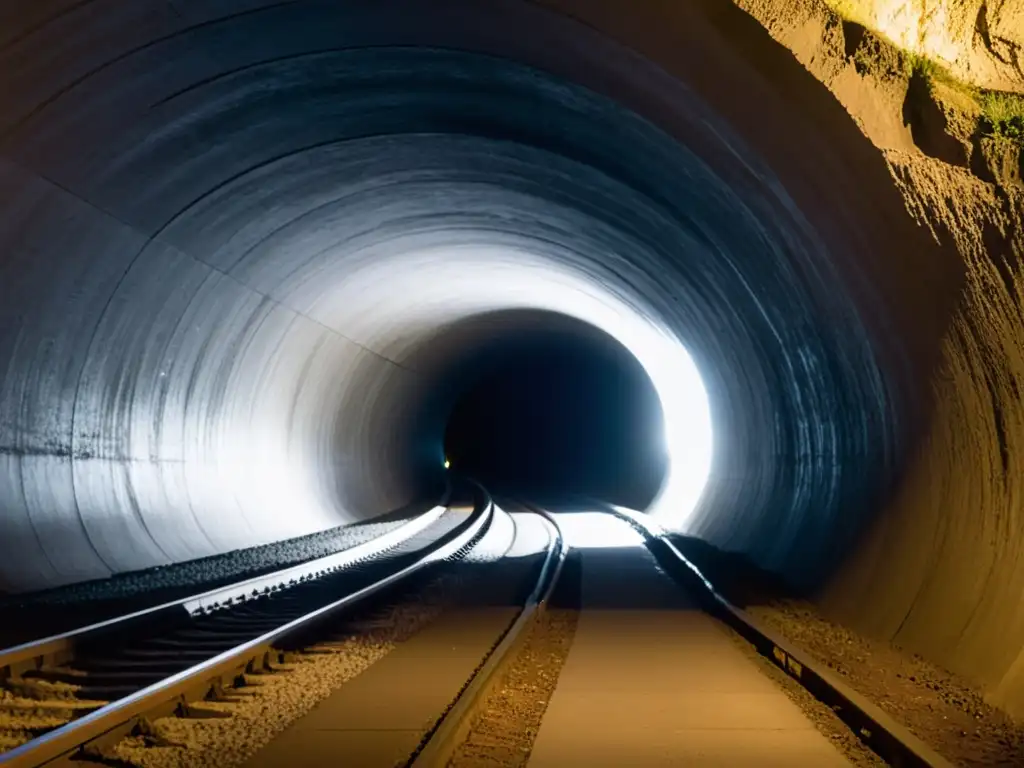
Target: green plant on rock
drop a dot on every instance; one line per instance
(1002, 115)
(930, 70)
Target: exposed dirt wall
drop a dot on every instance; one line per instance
(980, 40)
(941, 572)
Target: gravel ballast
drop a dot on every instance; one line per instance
(22, 717)
(938, 707)
(28, 617)
(824, 719)
(505, 724)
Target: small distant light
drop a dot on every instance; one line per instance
(447, 463)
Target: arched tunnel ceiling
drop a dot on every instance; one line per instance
(236, 229)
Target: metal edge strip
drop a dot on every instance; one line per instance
(455, 724)
(890, 740)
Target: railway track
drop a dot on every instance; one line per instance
(146, 667)
(168, 659)
(414, 703)
(440, 743)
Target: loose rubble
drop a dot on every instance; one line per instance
(824, 719)
(940, 708)
(506, 725)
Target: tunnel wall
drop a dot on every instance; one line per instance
(116, 405)
(942, 570)
(186, 174)
(907, 285)
(164, 221)
(939, 572)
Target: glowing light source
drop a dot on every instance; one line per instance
(459, 280)
(597, 530)
(447, 464)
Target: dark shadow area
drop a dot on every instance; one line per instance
(559, 408)
(27, 617)
(734, 575)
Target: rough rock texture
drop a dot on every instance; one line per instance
(1000, 161)
(982, 41)
(900, 101)
(942, 570)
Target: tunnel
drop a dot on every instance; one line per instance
(557, 409)
(267, 266)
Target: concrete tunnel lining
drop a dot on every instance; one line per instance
(187, 298)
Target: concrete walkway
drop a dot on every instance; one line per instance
(377, 719)
(652, 681)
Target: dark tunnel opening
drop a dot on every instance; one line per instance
(563, 411)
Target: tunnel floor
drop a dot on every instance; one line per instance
(652, 680)
(622, 652)
(648, 679)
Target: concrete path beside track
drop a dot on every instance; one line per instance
(378, 718)
(651, 680)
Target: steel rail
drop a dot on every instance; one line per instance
(451, 730)
(877, 729)
(115, 720)
(59, 648)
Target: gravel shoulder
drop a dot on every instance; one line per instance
(824, 719)
(944, 710)
(506, 723)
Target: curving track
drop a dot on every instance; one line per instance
(651, 669)
(163, 659)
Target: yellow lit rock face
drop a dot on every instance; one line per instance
(981, 41)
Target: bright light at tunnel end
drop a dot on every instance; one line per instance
(687, 419)
(458, 280)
